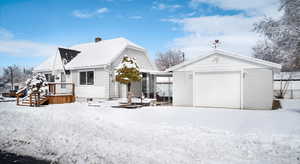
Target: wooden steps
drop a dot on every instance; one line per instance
(26, 101)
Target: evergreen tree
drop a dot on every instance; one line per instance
(37, 84)
(127, 72)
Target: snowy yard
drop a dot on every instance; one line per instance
(77, 133)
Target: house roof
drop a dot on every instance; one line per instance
(52, 63)
(225, 53)
(100, 53)
(90, 55)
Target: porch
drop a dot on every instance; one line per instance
(154, 85)
(56, 93)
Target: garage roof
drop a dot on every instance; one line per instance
(221, 52)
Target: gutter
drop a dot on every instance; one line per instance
(87, 67)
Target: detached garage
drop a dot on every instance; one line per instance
(224, 80)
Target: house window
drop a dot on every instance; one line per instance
(49, 77)
(86, 78)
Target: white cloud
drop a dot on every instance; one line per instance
(136, 17)
(234, 32)
(102, 10)
(172, 20)
(81, 14)
(253, 7)
(11, 46)
(4, 34)
(89, 14)
(163, 6)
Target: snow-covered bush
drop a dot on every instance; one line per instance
(127, 72)
(37, 83)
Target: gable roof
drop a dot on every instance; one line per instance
(221, 52)
(100, 53)
(51, 64)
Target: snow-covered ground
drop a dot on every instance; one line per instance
(7, 99)
(78, 133)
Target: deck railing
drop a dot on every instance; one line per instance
(61, 89)
(54, 90)
(19, 94)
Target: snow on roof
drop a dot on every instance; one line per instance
(99, 53)
(53, 63)
(241, 57)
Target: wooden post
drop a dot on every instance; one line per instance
(17, 99)
(73, 89)
(54, 89)
(49, 88)
(30, 101)
(38, 99)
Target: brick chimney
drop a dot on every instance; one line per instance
(98, 39)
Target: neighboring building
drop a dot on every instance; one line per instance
(222, 79)
(92, 66)
(290, 81)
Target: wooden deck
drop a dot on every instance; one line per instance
(61, 99)
(58, 93)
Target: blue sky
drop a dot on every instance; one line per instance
(30, 30)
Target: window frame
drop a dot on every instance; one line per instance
(86, 77)
(51, 78)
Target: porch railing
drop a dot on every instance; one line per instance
(36, 98)
(61, 89)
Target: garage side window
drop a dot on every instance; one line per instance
(86, 78)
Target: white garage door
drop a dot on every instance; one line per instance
(218, 89)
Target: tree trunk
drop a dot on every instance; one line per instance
(129, 94)
(12, 79)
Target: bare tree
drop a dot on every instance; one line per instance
(12, 74)
(282, 42)
(285, 78)
(169, 59)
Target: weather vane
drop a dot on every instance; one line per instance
(216, 44)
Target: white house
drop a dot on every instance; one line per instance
(91, 67)
(223, 79)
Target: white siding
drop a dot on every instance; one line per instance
(122, 90)
(141, 58)
(136, 89)
(219, 63)
(119, 90)
(100, 89)
(183, 88)
(258, 89)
